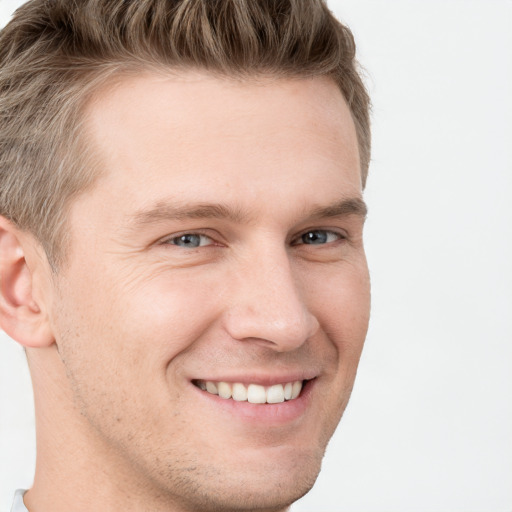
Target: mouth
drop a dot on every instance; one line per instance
(253, 393)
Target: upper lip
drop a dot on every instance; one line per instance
(263, 379)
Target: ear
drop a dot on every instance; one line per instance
(21, 317)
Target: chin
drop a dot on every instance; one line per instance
(271, 485)
(268, 495)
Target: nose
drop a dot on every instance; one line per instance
(267, 304)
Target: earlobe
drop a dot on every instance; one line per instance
(21, 317)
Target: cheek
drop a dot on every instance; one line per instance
(343, 310)
(117, 344)
(341, 301)
(154, 322)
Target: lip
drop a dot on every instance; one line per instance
(261, 378)
(260, 414)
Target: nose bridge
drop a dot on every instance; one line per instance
(267, 302)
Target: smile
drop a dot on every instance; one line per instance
(252, 393)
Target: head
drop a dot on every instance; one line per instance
(58, 54)
(182, 226)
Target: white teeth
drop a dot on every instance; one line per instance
(239, 392)
(297, 388)
(253, 393)
(256, 394)
(224, 390)
(211, 387)
(275, 394)
(288, 390)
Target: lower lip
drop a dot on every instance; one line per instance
(268, 414)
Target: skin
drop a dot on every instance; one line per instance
(132, 318)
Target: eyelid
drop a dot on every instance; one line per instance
(166, 240)
(217, 239)
(343, 235)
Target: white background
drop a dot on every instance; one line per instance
(429, 427)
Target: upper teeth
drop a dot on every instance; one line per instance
(253, 393)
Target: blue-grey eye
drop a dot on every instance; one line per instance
(191, 240)
(319, 237)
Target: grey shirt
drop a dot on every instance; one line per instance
(17, 504)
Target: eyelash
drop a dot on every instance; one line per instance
(170, 241)
(318, 233)
(326, 232)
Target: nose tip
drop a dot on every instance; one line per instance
(287, 332)
(271, 309)
(285, 328)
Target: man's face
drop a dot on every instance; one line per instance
(221, 248)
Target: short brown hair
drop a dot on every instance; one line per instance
(54, 54)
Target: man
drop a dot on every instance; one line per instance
(181, 246)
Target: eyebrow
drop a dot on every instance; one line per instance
(354, 206)
(170, 210)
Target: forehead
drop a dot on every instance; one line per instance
(194, 134)
(182, 99)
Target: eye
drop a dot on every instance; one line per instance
(190, 240)
(319, 237)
